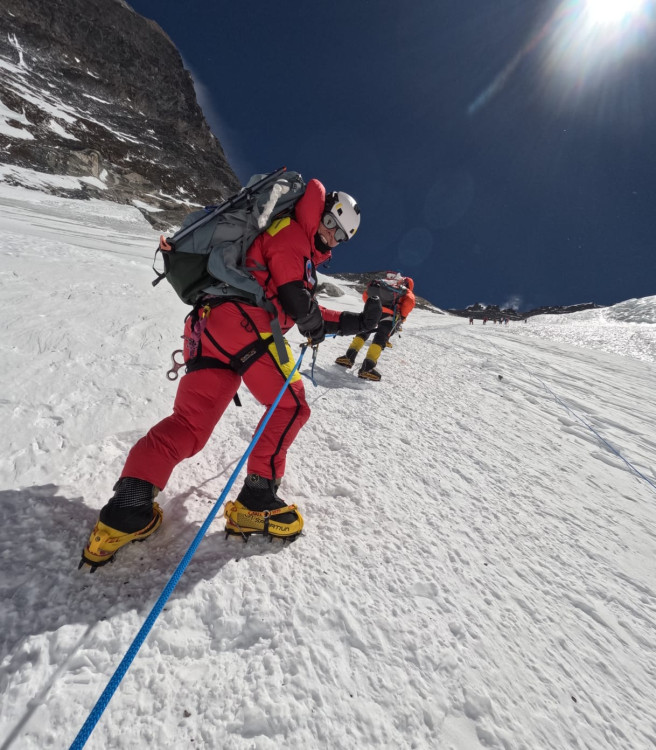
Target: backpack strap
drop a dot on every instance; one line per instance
(276, 330)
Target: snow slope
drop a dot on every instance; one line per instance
(478, 566)
(627, 328)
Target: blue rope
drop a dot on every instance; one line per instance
(123, 667)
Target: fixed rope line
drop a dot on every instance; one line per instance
(600, 437)
(108, 692)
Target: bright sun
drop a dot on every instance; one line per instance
(612, 11)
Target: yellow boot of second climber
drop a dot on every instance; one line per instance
(368, 369)
(348, 359)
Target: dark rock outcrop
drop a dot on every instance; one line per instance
(100, 93)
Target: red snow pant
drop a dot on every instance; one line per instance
(203, 396)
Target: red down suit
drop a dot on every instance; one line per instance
(284, 261)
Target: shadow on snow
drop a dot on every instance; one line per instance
(42, 535)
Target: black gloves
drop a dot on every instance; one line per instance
(312, 325)
(367, 320)
(297, 303)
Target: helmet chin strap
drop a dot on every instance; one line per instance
(320, 244)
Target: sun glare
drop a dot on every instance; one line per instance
(590, 37)
(581, 43)
(612, 11)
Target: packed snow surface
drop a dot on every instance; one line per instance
(478, 565)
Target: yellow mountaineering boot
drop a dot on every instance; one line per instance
(105, 541)
(348, 359)
(368, 369)
(129, 516)
(258, 510)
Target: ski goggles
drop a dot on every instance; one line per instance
(330, 222)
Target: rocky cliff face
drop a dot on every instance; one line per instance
(91, 90)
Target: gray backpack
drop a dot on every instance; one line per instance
(206, 256)
(389, 294)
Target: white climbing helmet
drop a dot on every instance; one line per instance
(342, 209)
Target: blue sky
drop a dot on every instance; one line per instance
(501, 151)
